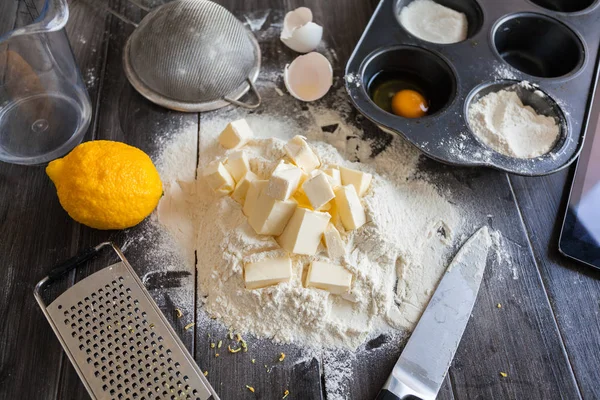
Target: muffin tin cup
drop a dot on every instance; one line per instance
(479, 64)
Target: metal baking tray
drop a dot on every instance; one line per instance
(543, 42)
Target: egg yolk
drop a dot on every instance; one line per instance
(409, 104)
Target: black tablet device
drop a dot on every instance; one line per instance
(580, 236)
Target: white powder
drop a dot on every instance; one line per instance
(433, 22)
(504, 123)
(397, 258)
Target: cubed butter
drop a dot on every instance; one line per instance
(303, 232)
(284, 181)
(360, 180)
(254, 190)
(301, 154)
(241, 188)
(318, 190)
(333, 242)
(237, 164)
(350, 209)
(270, 216)
(331, 277)
(267, 272)
(235, 134)
(218, 178)
(334, 176)
(301, 199)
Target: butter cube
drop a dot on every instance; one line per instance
(237, 164)
(270, 216)
(218, 178)
(334, 176)
(349, 207)
(302, 200)
(331, 277)
(241, 188)
(318, 190)
(360, 180)
(267, 272)
(235, 134)
(303, 232)
(301, 154)
(254, 190)
(333, 242)
(284, 181)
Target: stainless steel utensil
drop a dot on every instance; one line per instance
(424, 362)
(192, 55)
(116, 337)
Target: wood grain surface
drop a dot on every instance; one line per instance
(546, 336)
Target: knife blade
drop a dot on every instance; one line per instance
(424, 362)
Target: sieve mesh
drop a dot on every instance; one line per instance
(120, 343)
(192, 51)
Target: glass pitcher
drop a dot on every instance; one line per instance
(44, 106)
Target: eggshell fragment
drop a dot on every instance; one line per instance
(308, 77)
(299, 32)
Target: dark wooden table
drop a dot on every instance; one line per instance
(546, 336)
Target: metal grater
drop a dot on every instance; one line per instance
(116, 337)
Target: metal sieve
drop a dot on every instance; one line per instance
(116, 337)
(192, 55)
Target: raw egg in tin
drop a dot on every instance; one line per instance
(401, 93)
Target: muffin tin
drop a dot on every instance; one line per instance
(552, 44)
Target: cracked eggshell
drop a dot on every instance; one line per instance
(299, 32)
(308, 77)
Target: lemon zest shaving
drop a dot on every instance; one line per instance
(234, 350)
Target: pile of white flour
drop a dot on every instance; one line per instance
(504, 123)
(434, 22)
(397, 258)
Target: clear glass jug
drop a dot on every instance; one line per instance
(44, 106)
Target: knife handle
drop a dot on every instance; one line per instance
(386, 395)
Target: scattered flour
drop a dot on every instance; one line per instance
(433, 22)
(504, 123)
(397, 258)
(502, 71)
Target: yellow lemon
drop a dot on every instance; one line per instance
(106, 185)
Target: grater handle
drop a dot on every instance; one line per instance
(67, 266)
(72, 263)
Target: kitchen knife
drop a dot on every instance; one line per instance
(424, 362)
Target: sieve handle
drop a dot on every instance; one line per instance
(247, 105)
